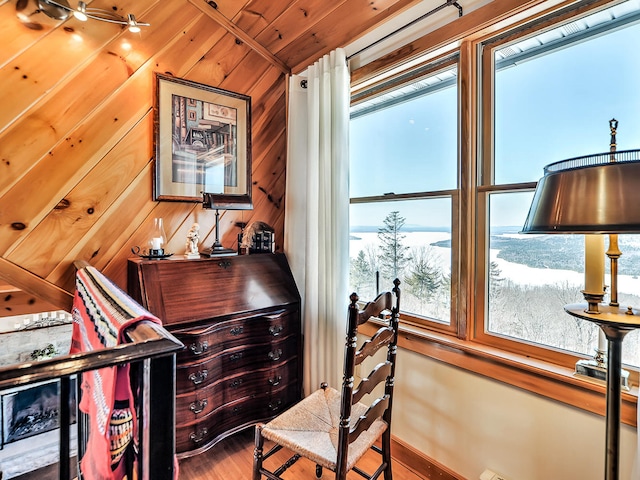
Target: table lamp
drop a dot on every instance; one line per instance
(212, 201)
(596, 194)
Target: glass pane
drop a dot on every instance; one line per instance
(410, 146)
(557, 105)
(410, 240)
(629, 291)
(532, 278)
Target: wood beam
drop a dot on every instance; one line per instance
(240, 34)
(35, 285)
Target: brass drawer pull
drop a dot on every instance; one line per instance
(235, 331)
(198, 406)
(275, 355)
(199, 436)
(275, 381)
(235, 356)
(275, 330)
(275, 406)
(236, 383)
(198, 377)
(199, 348)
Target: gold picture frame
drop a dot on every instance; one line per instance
(202, 143)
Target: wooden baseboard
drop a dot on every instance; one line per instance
(421, 464)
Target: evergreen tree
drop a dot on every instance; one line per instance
(362, 276)
(495, 281)
(495, 273)
(424, 277)
(393, 254)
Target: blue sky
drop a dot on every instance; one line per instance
(548, 109)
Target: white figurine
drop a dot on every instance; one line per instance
(191, 247)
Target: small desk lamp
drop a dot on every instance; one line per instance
(212, 201)
(596, 194)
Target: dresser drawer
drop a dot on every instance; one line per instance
(203, 401)
(234, 416)
(204, 342)
(234, 361)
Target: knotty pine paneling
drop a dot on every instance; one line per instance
(14, 37)
(65, 106)
(16, 302)
(35, 71)
(297, 19)
(351, 18)
(76, 150)
(259, 14)
(70, 220)
(83, 145)
(76, 137)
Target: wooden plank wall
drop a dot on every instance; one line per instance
(76, 142)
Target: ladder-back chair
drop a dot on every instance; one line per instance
(335, 429)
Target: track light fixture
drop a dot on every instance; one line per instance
(61, 10)
(81, 12)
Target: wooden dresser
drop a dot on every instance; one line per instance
(239, 318)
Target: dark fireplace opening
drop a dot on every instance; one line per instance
(34, 410)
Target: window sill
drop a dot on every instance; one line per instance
(543, 378)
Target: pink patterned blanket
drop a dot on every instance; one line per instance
(101, 313)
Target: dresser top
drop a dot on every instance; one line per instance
(181, 290)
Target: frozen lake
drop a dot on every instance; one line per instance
(516, 272)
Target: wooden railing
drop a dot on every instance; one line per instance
(151, 351)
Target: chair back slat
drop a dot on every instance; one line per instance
(378, 375)
(375, 411)
(383, 337)
(383, 302)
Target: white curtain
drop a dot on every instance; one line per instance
(317, 212)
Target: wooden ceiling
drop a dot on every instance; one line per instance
(76, 124)
(294, 34)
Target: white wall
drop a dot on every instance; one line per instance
(468, 423)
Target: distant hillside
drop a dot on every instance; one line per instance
(565, 252)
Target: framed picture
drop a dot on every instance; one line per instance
(202, 143)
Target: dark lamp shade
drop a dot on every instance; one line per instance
(592, 194)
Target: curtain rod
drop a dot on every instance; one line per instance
(453, 3)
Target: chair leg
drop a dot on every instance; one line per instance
(386, 454)
(257, 453)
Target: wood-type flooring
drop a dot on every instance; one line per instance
(232, 459)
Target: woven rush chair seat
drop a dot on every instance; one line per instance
(310, 429)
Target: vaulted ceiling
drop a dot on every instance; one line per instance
(76, 124)
(296, 33)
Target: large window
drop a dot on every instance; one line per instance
(553, 94)
(545, 92)
(404, 188)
